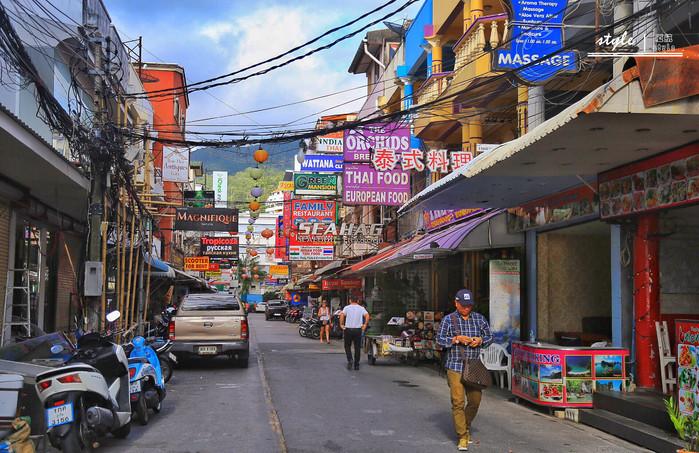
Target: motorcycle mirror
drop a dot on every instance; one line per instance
(57, 349)
(113, 316)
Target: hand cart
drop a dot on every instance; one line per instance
(388, 346)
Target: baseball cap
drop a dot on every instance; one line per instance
(464, 297)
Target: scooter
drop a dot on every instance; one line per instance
(168, 360)
(310, 328)
(147, 386)
(89, 396)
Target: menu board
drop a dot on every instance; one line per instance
(565, 378)
(668, 180)
(687, 337)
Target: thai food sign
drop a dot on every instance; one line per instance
(687, 337)
(664, 181)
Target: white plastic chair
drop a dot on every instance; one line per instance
(493, 357)
(667, 360)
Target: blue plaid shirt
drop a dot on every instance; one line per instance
(454, 324)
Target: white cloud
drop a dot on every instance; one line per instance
(216, 31)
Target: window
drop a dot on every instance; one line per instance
(176, 112)
(203, 302)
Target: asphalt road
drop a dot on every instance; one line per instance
(297, 396)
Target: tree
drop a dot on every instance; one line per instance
(239, 184)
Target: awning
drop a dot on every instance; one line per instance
(332, 266)
(608, 128)
(384, 253)
(184, 278)
(158, 268)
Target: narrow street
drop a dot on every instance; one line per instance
(322, 407)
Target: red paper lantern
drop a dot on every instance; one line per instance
(267, 233)
(260, 155)
(254, 205)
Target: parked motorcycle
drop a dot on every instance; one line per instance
(167, 359)
(147, 386)
(89, 396)
(310, 327)
(335, 328)
(293, 315)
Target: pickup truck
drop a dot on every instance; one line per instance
(210, 325)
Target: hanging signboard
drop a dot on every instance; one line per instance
(360, 141)
(315, 184)
(364, 185)
(440, 218)
(206, 219)
(221, 188)
(328, 143)
(577, 204)
(279, 240)
(199, 198)
(286, 214)
(175, 164)
(308, 246)
(665, 181)
(504, 281)
(536, 35)
(322, 163)
(279, 271)
(330, 284)
(221, 247)
(196, 263)
(285, 186)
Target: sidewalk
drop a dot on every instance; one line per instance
(392, 407)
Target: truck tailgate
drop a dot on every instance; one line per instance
(208, 327)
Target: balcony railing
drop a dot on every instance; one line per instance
(470, 48)
(433, 87)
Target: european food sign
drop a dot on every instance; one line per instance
(687, 338)
(534, 53)
(309, 246)
(196, 263)
(206, 219)
(315, 184)
(220, 247)
(364, 185)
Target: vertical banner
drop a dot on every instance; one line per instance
(505, 300)
(287, 214)
(280, 240)
(221, 188)
(175, 164)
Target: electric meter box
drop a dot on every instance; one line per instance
(93, 278)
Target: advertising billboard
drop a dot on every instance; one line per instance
(220, 247)
(364, 185)
(306, 245)
(175, 164)
(315, 184)
(206, 219)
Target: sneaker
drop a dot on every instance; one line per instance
(356, 366)
(463, 444)
(349, 365)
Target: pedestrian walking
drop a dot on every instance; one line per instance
(324, 315)
(354, 320)
(463, 333)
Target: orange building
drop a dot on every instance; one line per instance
(169, 119)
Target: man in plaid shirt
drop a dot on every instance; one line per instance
(463, 333)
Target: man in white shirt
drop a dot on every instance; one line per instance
(354, 320)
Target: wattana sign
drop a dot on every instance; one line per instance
(360, 142)
(536, 41)
(364, 185)
(221, 247)
(439, 218)
(322, 163)
(306, 245)
(206, 219)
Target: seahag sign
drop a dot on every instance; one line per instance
(219, 247)
(206, 219)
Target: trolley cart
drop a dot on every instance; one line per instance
(387, 346)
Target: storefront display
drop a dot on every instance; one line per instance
(687, 336)
(556, 376)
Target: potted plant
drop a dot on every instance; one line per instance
(687, 426)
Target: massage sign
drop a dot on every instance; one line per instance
(219, 247)
(206, 219)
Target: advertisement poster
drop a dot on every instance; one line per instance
(280, 240)
(565, 378)
(687, 337)
(321, 163)
(306, 245)
(330, 284)
(286, 214)
(221, 188)
(668, 180)
(175, 164)
(219, 247)
(573, 204)
(315, 184)
(199, 198)
(440, 218)
(364, 185)
(285, 186)
(196, 263)
(328, 143)
(505, 300)
(279, 271)
(359, 141)
(206, 219)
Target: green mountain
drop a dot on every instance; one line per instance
(233, 160)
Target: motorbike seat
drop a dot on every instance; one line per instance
(138, 360)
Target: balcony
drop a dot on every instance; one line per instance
(487, 32)
(436, 121)
(433, 87)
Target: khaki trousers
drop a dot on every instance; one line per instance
(463, 414)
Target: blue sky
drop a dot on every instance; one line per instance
(209, 38)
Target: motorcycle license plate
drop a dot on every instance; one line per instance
(207, 350)
(135, 387)
(59, 415)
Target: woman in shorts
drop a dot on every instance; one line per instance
(324, 316)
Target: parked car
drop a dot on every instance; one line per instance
(276, 309)
(260, 307)
(209, 325)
